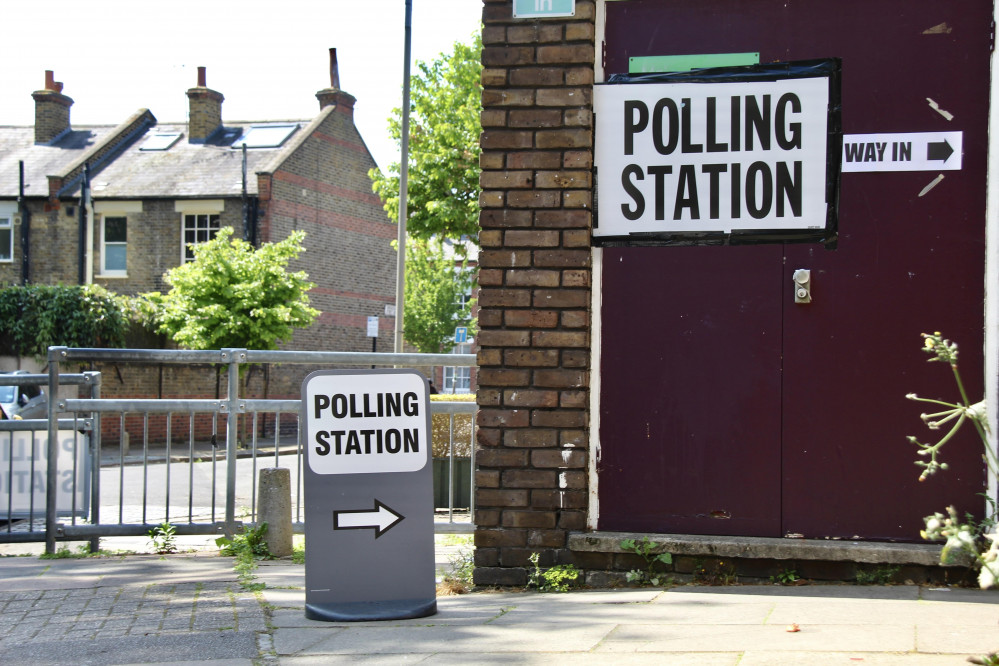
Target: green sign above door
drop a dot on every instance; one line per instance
(543, 8)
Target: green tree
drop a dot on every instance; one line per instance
(233, 295)
(35, 317)
(436, 289)
(445, 105)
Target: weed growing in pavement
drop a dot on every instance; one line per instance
(785, 577)
(560, 578)
(298, 549)
(458, 577)
(163, 538)
(247, 547)
(877, 576)
(81, 551)
(653, 560)
(718, 573)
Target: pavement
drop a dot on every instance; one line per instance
(190, 608)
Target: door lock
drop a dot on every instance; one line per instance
(802, 286)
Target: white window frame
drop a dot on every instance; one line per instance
(112, 272)
(457, 379)
(195, 208)
(8, 210)
(115, 209)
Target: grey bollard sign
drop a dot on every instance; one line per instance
(369, 510)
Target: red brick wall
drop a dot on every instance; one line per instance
(324, 189)
(536, 160)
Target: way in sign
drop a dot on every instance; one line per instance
(912, 151)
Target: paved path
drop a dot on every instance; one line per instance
(190, 608)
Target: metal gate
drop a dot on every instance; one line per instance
(180, 474)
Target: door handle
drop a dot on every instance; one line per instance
(802, 279)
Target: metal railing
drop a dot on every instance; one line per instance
(143, 502)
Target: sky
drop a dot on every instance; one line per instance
(268, 59)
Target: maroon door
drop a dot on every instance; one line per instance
(726, 408)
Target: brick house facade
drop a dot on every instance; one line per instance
(534, 298)
(156, 186)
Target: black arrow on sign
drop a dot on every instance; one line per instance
(939, 150)
(380, 519)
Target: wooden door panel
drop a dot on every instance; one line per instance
(690, 388)
(907, 261)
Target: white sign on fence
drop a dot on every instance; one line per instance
(24, 470)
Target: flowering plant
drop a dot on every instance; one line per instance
(978, 541)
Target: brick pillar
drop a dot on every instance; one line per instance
(534, 277)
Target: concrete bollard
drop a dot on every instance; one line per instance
(274, 508)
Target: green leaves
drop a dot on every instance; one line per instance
(435, 287)
(233, 295)
(35, 317)
(445, 108)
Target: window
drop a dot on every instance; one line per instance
(265, 136)
(114, 245)
(160, 141)
(6, 236)
(199, 228)
(457, 379)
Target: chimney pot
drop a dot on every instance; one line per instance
(49, 79)
(202, 77)
(334, 71)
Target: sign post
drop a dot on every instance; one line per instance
(369, 535)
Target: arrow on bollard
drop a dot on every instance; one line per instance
(380, 519)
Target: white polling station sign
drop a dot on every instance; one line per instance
(711, 157)
(366, 423)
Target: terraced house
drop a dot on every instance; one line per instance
(119, 205)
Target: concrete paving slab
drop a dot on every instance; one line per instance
(672, 659)
(967, 639)
(739, 638)
(668, 614)
(883, 612)
(829, 593)
(293, 618)
(753, 658)
(476, 639)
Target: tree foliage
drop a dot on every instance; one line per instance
(35, 317)
(435, 290)
(443, 185)
(233, 295)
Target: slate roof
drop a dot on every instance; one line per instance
(40, 161)
(185, 170)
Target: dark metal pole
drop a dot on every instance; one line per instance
(84, 204)
(246, 207)
(400, 276)
(22, 206)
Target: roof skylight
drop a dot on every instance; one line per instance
(160, 141)
(265, 136)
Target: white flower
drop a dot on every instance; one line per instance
(988, 575)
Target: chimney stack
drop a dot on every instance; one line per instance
(205, 110)
(51, 110)
(333, 96)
